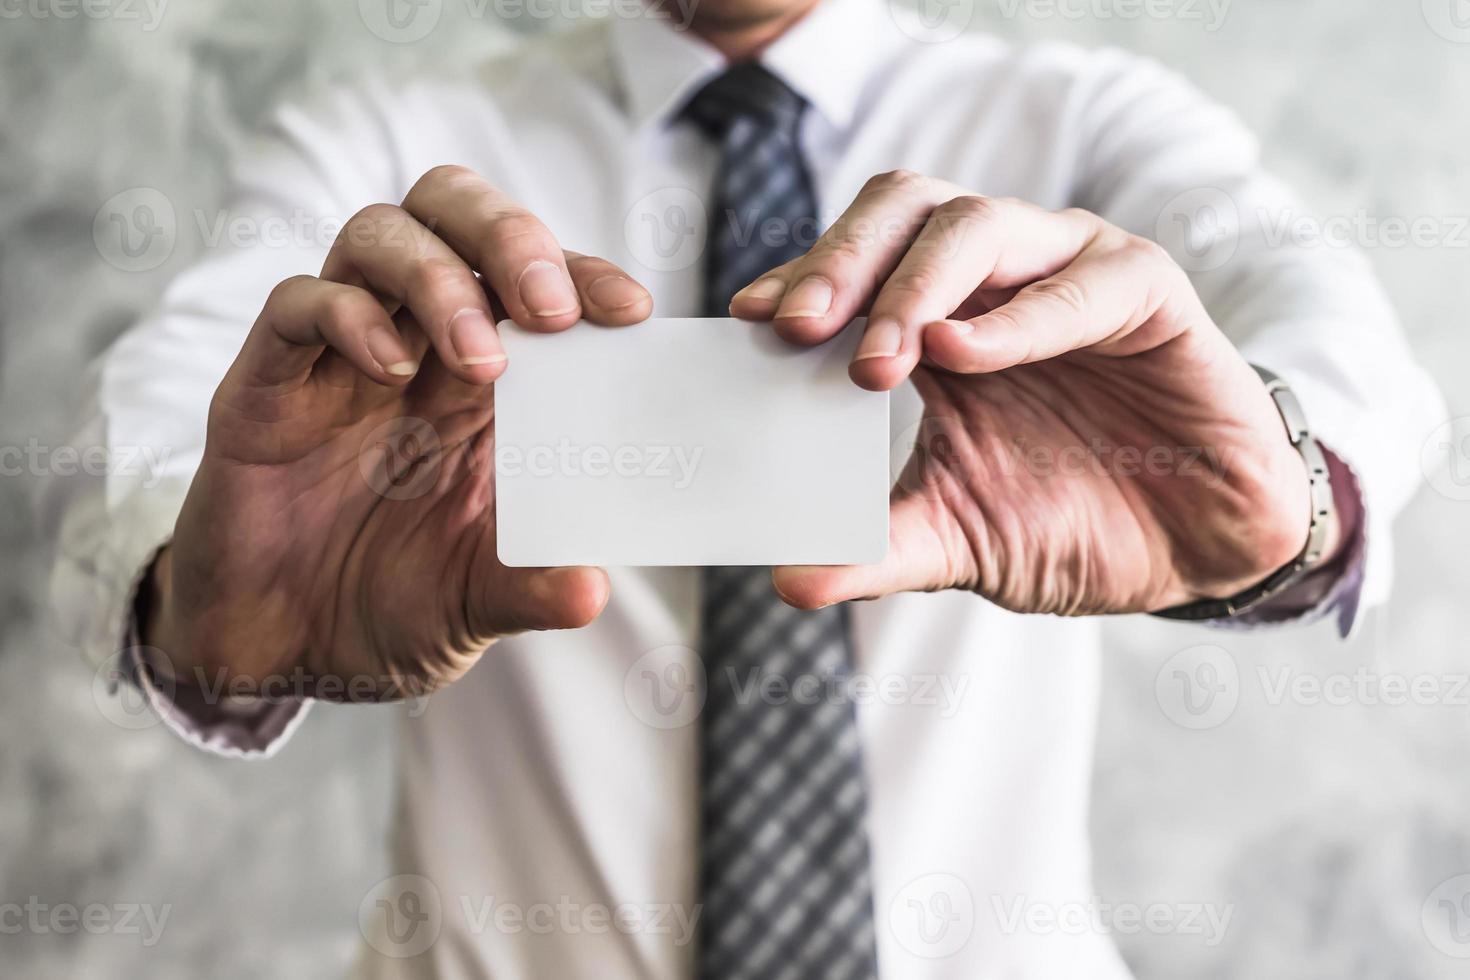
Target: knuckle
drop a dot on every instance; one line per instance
(286, 289)
(339, 313)
(371, 225)
(514, 224)
(430, 279)
(1066, 292)
(1147, 251)
(448, 176)
(891, 181)
(969, 208)
(842, 251)
(915, 282)
(377, 214)
(591, 266)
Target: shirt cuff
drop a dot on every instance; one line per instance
(204, 716)
(1334, 589)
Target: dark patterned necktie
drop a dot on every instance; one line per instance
(784, 866)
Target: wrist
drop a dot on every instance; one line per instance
(1314, 548)
(154, 608)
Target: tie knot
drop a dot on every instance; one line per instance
(745, 92)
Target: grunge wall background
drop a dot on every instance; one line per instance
(1333, 823)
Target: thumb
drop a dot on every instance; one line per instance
(925, 548)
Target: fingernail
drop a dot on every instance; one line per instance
(546, 290)
(811, 297)
(613, 292)
(386, 349)
(883, 338)
(474, 339)
(962, 327)
(768, 290)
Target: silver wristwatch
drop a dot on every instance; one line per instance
(1322, 512)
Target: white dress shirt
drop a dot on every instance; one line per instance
(550, 796)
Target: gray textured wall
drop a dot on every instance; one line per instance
(1326, 827)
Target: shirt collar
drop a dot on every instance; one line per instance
(826, 57)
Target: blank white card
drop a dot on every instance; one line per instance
(687, 441)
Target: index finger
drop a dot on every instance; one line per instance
(517, 255)
(816, 295)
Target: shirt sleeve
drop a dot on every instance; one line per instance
(148, 395)
(1159, 159)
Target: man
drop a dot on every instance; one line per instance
(1091, 439)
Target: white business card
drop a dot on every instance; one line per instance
(687, 441)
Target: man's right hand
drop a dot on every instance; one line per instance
(341, 525)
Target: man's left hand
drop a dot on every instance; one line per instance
(1091, 441)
